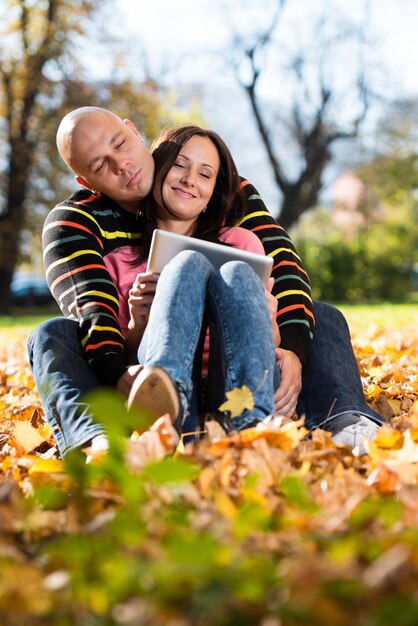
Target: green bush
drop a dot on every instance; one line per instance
(375, 264)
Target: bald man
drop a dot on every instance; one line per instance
(107, 155)
(72, 356)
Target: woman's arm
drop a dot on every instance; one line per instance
(141, 296)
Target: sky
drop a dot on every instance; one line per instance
(183, 40)
(168, 28)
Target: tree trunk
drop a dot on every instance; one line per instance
(12, 220)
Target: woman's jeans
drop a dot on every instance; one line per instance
(331, 383)
(233, 300)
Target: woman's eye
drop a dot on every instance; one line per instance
(97, 170)
(120, 144)
(207, 176)
(177, 164)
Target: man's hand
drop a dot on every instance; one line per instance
(287, 394)
(272, 306)
(125, 382)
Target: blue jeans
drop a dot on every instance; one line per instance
(189, 290)
(331, 383)
(331, 380)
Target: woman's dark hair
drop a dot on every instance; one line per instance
(165, 151)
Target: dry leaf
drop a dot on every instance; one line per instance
(239, 399)
(27, 437)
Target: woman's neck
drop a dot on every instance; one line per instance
(176, 226)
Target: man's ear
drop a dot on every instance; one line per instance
(132, 126)
(83, 182)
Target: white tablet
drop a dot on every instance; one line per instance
(165, 246)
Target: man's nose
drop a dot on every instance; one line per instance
(119, 165)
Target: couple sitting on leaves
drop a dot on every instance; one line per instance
(96, 245)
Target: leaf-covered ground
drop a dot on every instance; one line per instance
(271, 527)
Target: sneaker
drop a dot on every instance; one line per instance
(97, 448)
(352, 430)
(156, 393)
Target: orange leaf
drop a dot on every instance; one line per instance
(26, 436)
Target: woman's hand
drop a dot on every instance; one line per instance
(141, 296)
(140, 299)
(272, 306)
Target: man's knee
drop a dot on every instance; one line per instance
(328, 315)
(57, 330)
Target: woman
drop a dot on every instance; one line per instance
(195, 178)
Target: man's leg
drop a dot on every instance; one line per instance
(332, 395)
(63, 376)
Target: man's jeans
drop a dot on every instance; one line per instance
(331, 383)
(331, 380)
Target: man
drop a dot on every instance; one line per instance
(72, 356)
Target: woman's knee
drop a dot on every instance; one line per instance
(188, 261)
(239, 272)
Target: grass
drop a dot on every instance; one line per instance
(383, 314)
(27, 319)
(386, 314)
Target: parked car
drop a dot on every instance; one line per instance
(28, 290)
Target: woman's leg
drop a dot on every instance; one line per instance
(239, 316)
(175, 323)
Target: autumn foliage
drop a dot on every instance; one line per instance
(270, 527)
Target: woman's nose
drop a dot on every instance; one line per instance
(189, 178)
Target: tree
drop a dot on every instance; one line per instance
(313, 107)
(35, 35)
(42, 78)
(375, 258)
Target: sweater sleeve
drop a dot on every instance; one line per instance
(291, 282)
(73, 244)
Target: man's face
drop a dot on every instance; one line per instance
(109, 156)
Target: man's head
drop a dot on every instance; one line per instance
(106, 154)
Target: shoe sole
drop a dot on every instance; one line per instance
(155, 393)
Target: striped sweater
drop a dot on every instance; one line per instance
(82, 230)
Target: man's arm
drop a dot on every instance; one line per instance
(291, 282)
(76, 235)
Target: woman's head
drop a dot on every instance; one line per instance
(195, 179)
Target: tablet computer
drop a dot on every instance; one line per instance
(165, 246)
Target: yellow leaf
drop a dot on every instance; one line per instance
(389, 438)
(375, 372)
(27, 436)
(225, 505)
(239, 399)
(47, 466)
(395, 406)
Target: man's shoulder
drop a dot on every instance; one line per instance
(84, 205)
(247, 187)
(85, 198)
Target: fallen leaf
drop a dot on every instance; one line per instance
(239, 399)
(27, 437)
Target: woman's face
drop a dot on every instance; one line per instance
(189, 183)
